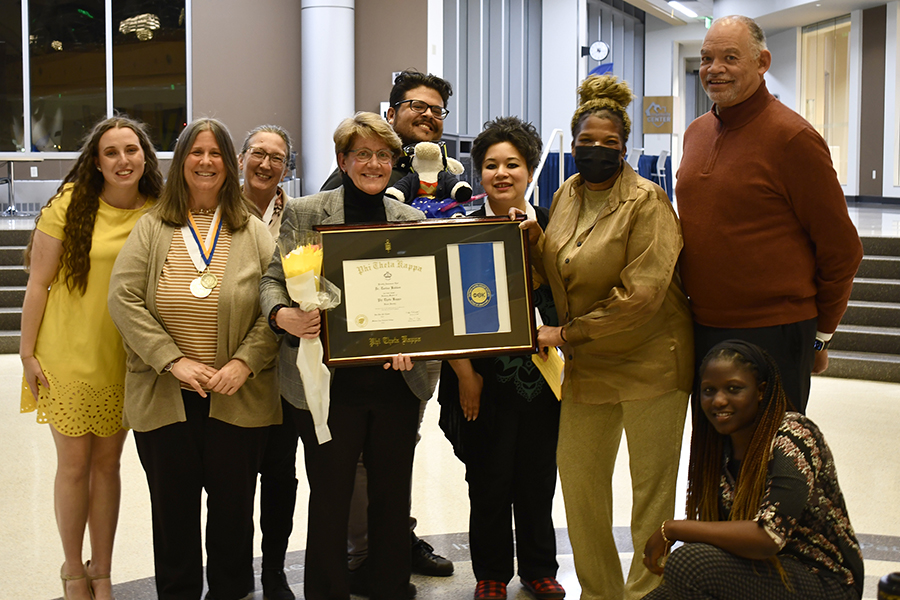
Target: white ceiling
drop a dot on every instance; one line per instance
(771, 15)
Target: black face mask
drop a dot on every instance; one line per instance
(597, 163)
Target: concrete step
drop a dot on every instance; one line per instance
(9, 342)
(14, 237)
(11, 255)
(876, 290)
(10, 318)
(863, 365)
(879, 267)
(881, 246)
(11, 296)
(873, 314)
(859, 338)
(13, 275)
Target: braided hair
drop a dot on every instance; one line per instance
(707, 445)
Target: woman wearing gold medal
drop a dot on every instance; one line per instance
(200, 388)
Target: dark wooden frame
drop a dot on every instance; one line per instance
(422, 238)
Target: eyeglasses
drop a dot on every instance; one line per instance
(365, 155)
(260, 155)
(420, 106)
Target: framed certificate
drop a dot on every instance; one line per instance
(439, 288)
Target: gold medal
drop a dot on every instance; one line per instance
(208, 280)
(198, 289)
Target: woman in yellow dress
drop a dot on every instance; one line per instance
(72, 354)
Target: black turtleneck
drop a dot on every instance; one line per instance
(361, 385)
(360, 207)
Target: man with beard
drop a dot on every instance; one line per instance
(418, 106)
(769, 249)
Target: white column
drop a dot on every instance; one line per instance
(560, 63)
(329, 71)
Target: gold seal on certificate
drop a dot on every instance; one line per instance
(208, 280)
(198, 289)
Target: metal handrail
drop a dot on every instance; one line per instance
(562, 163)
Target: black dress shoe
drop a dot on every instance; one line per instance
(361, 586)
(426, 562)
(275, 585)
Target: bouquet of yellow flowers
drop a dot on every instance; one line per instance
(301, 259)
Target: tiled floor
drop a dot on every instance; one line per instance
(858, 418)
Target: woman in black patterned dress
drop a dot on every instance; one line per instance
(506, 416)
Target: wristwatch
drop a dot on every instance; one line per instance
(821, 344)
(169, 366)
(272, 324)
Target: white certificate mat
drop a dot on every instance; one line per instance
(479, 296)
(391, 293)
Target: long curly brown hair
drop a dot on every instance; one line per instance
(87, 186)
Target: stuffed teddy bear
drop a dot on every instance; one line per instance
(433, 187)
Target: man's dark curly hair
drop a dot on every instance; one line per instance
(514, 130)
(408, 80)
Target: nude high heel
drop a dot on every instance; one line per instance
(67, 578)
(91, 580)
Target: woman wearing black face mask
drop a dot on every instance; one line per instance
(610, 253)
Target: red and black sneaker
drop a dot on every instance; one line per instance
(490, 590)
(546, 588)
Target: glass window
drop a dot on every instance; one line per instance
(149, 66)
(68, 71)
(12, 137)
(825, 85)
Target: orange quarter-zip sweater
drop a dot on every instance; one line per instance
(767, 237)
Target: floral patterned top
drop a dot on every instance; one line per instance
(803, 508)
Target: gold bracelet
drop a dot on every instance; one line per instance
(662, 531)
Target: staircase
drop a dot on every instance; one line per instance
(12, 287)
(866, 344)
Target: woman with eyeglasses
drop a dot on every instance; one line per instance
(374, 410)
(201, 383)
(610, 253)
(263, 161)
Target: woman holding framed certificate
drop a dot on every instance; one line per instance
(373, 410)
(610, 254)
(201, 384)
(506, 414)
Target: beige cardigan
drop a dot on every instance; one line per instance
(153, 398)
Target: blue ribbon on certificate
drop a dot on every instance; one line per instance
(479, 287)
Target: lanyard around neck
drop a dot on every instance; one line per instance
(201, 252)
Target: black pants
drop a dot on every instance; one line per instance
(278, 490)
(511, 469)
(180, 460)
(385, 434)
(704, 572)
(790, 345)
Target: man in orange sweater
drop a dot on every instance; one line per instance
(769, 249)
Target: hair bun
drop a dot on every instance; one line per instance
(597, 87)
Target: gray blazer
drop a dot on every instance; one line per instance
(324, 208)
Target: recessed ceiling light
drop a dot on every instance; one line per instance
(682, 9)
